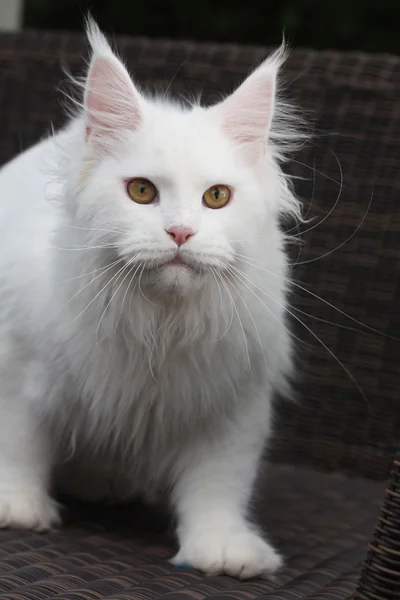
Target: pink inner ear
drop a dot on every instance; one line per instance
(249, 110)
(111, 103)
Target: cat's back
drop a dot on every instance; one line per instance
(27, 185)
(28, 217)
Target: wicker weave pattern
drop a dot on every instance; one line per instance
(122, 554)
(380, 577)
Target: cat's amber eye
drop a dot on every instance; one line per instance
(217, 196)
(141, 190)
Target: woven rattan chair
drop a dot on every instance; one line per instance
(322, 495)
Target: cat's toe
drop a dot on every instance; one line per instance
(27, 509)
(244, 555)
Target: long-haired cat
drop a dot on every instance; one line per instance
(136, 357)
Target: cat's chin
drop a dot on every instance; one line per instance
(175, 278)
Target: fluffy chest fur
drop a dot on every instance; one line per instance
(148, 376)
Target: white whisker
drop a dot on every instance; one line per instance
(141, 291)
(98, 294)
(306, 262)
(346, 370)
(239, 319)
(113, 231)
(105, 270)
(151, 333)
(331, 210)
(293, 282)
(78, 248)
(217, 274)
(173, 78)
(130, 283)
(304, 218)
(267, 307)
(315, 170)
(218, 288)
(121, 272)
(249, 313)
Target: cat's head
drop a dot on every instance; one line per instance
(180, 192)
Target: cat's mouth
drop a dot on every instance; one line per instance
(177, 262)
(193, 262)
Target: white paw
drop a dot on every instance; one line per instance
(27, 509)
(243, 554)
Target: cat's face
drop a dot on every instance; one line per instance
(180, 199)
(181, 191)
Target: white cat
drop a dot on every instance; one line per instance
(142, 309)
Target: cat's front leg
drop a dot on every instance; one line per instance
(214, 482)
(25, 453)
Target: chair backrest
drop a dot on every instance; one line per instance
(348, 411)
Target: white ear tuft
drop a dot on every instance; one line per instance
(246, 115)
(97, 39)
(111, 103)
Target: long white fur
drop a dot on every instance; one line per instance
(116, 383)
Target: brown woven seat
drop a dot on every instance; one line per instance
(320, 522)
(347, 419)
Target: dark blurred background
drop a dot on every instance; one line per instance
(369, 25)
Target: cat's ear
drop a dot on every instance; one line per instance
(246, 115)
(112, 104)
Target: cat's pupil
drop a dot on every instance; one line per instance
(142, 188)
(216, 193)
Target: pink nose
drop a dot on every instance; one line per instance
(180, 235)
